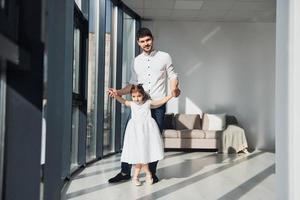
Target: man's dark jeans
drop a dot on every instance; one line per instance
(158, 115)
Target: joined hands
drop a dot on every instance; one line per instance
(112, 92)
(175, 92)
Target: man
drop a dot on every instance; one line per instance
(151, 68)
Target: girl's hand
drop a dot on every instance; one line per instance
(114, 95)
(112, 92)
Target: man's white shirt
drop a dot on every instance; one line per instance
(153, 71)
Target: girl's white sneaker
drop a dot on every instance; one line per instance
(136, 181)
(245, 151)
(149, 180)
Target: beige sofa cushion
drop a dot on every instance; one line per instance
(214, 122)
(211, 134)
(187, 121)
(189, 134)
(190, 144)
(170, 133)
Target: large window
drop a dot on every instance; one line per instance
(76, 60)
(91, 137)
(78, 136)
(2, 119)
(75, 109)
(9, 18)
(74, 142)
(128, 58)
(108, 126)
(78, 3)
(2, 4)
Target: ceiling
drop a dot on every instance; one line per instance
(205, 10)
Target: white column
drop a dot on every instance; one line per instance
(288, 99)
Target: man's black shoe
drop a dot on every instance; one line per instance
(119, 177)
(155, 179)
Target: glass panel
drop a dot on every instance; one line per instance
(76, 60)
(2, 119)
(44, 112)
(43, 138)
(2, 4)
(91, 139)
(74, 144)
(128, 58)
(78, 2)
(78, 143)
(108, 137)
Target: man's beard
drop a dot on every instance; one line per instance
(148, 48)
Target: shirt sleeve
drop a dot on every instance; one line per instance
(133, 79)
(170, 69)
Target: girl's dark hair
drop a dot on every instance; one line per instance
(143, 32)
(139, 88)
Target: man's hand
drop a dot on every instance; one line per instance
(176, 92)
(112, 92)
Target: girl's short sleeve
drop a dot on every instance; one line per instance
(132, 105)
(149, 103)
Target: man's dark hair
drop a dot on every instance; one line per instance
(143, 32)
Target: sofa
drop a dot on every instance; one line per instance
(192, 131)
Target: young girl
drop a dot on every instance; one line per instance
(142, 140)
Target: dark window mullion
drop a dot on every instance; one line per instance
(101, 72)
(9, 19)
(80, 99)
(82, 24)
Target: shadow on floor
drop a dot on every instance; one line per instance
(106, 162)
(85, 175)
(245, 187)
(190, 167)
(87, 190)
(170, 189)
(94, 173)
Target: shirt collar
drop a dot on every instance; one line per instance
(153, 52)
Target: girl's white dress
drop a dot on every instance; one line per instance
(142, 140)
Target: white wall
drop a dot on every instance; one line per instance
(287, 99)
(224, 68)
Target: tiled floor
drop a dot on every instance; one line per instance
(188, 176)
